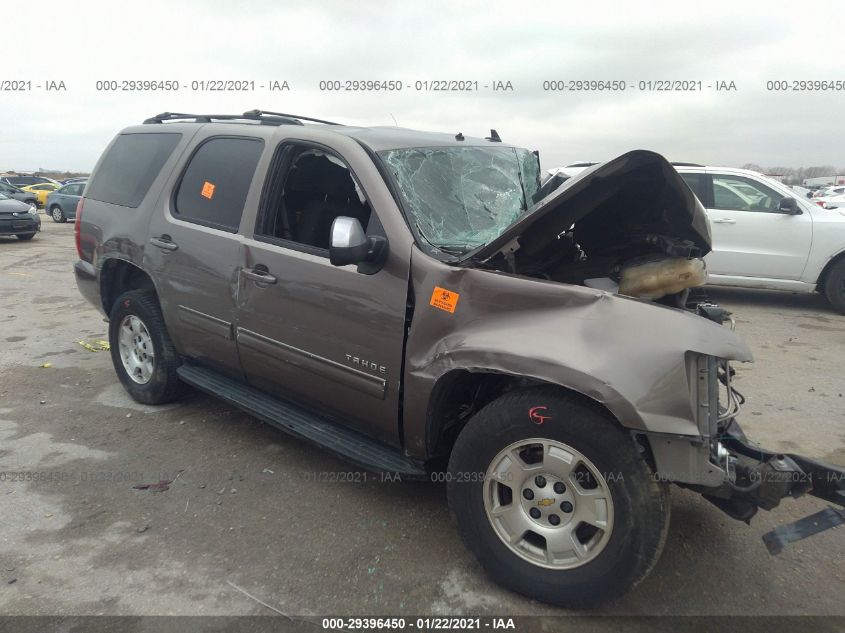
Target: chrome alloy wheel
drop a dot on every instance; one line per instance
(136, 349)
(548, 503)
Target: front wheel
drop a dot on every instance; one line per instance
(555, 500)
(141, 350)
(25, 237)
(834, 286)
(57, 214)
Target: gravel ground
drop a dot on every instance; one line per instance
(246, 511)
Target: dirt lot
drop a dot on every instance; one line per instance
(247, 510)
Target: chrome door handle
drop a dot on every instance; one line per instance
(163, 242)
(259, 275)
(724, 221)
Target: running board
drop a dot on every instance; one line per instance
(297, 421)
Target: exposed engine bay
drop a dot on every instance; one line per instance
(630, 226)
(647, 267)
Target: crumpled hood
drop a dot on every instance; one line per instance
(637, 193)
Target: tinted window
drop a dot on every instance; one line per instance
(696, 183)
(215, 184)
(738, 193)
(130, 166)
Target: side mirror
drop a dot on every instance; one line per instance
(350, 245)
(790, 206)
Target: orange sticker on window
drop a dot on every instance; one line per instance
(444, 299)
(207, 190)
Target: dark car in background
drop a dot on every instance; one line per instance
(18, 218)
(61, 204)
(24, 181)
(16, 193)
(68, 181)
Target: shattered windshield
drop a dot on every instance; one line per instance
(460, 198)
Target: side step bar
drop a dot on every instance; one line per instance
(297, 421)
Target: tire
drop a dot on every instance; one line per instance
(137, 315)
(634, 506)
(834, 286)
(25, 237)
(57, 214)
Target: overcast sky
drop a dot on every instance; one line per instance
(522, 42)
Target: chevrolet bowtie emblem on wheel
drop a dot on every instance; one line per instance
(545, 502)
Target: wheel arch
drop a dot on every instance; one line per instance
(833, 261)
(460, 393)
(117, 276)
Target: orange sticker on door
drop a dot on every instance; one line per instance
(444, 299)
(207, 190)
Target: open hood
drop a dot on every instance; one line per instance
(638, 193)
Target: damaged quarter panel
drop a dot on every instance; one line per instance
(627, 354)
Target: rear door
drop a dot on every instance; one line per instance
(330, 337)
(751, 238)
(194, 250)
(70, 195)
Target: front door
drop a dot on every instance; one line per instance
(330, 337)
(751, 238)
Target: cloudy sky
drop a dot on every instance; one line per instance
(524, 42)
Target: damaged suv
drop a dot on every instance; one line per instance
(417, 303)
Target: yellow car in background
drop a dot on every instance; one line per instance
(41, 191)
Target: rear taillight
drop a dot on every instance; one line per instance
(818, 202)
(77, 225)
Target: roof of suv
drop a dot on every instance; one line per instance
(377, 138)
(724, 170)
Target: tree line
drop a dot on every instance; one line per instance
(796, 175)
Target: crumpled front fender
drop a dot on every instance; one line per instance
(629, 355)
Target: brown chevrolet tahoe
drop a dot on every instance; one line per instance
(422, 304)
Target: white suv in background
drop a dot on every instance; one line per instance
(767, 236)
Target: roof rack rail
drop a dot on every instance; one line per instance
(262, 116)
(677, 164)
(208, 118)
(259, 113)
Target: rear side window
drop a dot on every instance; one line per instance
(215, 184)
(697, 184)
(130, 166)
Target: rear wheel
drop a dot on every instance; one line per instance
(555, 500)
(24, 237)
(57, 214)
(141, 350)
(834, 286)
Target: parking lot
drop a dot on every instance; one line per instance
(248, 510)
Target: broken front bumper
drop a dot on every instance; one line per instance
(762, 478)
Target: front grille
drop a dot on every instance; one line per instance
(7, 226)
